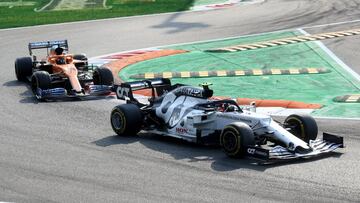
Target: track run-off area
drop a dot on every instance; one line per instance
(67, 151)
(295, 71)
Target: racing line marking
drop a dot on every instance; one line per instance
(231, 73)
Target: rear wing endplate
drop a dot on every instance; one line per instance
(125, 90)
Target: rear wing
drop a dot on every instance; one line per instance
(48, 44)
(158, 86)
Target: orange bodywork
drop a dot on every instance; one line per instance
(67, 68)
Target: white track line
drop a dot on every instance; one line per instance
(336, 118)
(331, 24)
(128, 51)
(186, 43)
(169, 13)
(226, 4)
(320, 44)
(229, 38)
(333, 56)
(115, 18)
(342, 64)
(44, 7)
(100, 20)
(209, 6)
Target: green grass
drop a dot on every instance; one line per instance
(317, 88)
(19, 16)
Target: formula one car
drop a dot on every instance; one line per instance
(60, 74)
(186, 112)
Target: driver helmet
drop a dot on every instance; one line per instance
(56, 50)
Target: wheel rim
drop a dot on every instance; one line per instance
(117, 121)
(297, 128)
(230, 141)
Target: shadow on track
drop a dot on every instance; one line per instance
(28, 97)
(13, 83)
(174, 26)
(191, 152)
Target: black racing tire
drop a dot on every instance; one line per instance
(302, 126)
(81, 57)
(103, 76)
(126, 119)
(23, 68)
(235, 138)
(81, 61)
(40, 79)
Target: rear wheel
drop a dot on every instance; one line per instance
(40, 79)
(235, 138)
(23, 68)
(302, 126)
(103, 76)
(126, 119)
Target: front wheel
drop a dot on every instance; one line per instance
(81, 60)
(40, 79)
(23, 68)
(103, 76)
(302, 126)
(80, 57)
(126, 119)
(235, 138)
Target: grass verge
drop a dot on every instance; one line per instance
(19, 16)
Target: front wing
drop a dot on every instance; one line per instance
(328, 144)
(58, 93)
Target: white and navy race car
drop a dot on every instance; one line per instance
(188, 113)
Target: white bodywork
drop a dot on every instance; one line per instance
(186, 112)
(184, 121)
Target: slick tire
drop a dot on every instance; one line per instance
(235, 138)
(81, 57)
(40, 79)
(81, 61)
(126, 119)
(302, 126)
(103, 76)
(23, 68)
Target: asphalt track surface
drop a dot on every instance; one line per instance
(67, 151)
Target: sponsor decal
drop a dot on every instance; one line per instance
(189, 91)
(122, 92)
(253, 151)
(48, 43)
(181, 130)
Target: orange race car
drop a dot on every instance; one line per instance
(60, 74)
